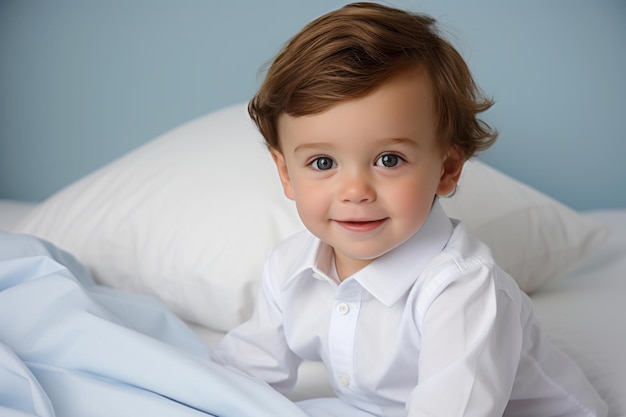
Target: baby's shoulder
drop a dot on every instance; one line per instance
(292, 253)
(466, 257)
(463, 251)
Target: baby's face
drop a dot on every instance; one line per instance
(364, 173)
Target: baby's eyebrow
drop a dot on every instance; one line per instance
(399, 141)
(316, 145)
(327, 146)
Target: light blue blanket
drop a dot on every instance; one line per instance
(69, 347)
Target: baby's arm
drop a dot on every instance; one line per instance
(258, 346)
(471, 345)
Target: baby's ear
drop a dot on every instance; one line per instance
(451, 171)
(283, 173)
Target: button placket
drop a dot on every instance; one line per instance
(342, 332)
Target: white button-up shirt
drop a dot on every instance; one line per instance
(431, 328)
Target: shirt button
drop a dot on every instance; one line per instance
(343, 308)
(344, 380)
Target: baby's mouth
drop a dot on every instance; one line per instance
(360, 225)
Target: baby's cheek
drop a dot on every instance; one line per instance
(411, 205)
(311, 207)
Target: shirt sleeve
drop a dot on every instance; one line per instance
(258, 347)
(471, 345)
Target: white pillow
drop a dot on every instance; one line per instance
(190, 217)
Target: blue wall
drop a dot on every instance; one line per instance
(84, 81)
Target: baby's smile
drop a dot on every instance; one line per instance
(361, 226)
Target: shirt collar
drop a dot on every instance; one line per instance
(391, 275)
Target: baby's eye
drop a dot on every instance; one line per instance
(323, 163)
(389, 160)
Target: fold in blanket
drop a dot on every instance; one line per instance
(69, 347)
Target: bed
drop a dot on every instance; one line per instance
(144, 264)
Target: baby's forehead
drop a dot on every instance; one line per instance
(400, 108)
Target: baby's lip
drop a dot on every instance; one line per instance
(360, 225)
(360, 220)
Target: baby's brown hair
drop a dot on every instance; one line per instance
(349, 52)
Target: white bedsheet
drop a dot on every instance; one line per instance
(584, 313)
